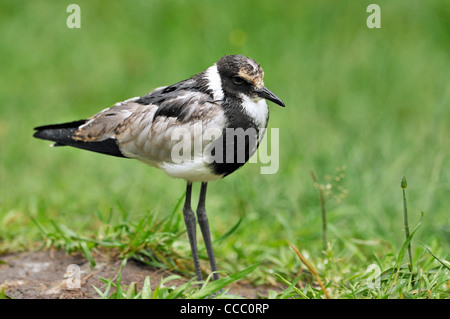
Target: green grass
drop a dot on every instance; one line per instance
(373, 101)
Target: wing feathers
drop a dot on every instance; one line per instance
(141, 127)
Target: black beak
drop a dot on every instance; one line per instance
(265, 93)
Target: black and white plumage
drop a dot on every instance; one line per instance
(230, 95)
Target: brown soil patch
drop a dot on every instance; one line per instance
(40, 275)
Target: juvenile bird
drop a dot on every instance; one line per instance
(200, 129)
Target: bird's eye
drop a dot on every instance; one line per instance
(237, 80)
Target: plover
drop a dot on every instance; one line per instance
(200, 129)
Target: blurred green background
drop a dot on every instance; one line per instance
(371, 104)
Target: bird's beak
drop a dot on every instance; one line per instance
(265, 93)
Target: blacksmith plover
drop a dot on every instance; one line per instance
(200, 129)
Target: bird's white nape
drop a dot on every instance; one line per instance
(214, 82)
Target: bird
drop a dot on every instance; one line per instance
(200, 129)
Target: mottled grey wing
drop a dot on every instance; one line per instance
(149, 132)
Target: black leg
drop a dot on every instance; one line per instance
(189, 219)
(204, 226)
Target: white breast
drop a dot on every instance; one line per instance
(257, 109)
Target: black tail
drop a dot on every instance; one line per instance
(61, 134)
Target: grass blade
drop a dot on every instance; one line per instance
(405, 245)
(228, 233)
(291, 287)
(443, 262)
(403, 185)
(311, 268)
(87, 253)
(323, 210)
(132, 291)
(147, 289)
(210, 288)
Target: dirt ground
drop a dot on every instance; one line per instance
(40, 275)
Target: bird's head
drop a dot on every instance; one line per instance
(242, 75)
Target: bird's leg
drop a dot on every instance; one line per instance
(189, 219)
(204, 226)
